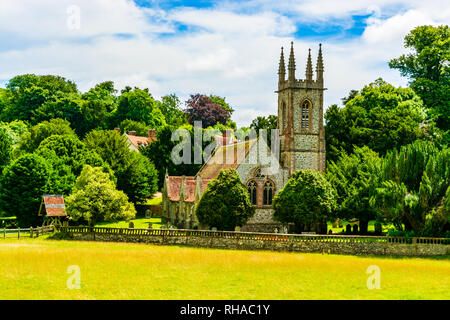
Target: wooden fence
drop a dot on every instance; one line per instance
(252, 235)
(26, 232)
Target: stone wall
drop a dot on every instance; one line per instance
(270, 242)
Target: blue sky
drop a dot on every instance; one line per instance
(228, 48)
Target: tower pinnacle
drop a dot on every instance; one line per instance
(291, 65)
(319, 65)
(309, 70)
(281, 68)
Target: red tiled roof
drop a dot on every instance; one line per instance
(54, 205)
(174, 187)
(137, 141)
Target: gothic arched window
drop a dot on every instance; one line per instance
(268, 193)
(305, 114)
(251, 187)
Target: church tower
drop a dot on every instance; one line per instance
(300, 116)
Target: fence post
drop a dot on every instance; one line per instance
(4, 232)
(31, 232)
(18, 233)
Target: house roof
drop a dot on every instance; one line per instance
(54, 205)
(174, 187)
(138, 141)
(226, 157)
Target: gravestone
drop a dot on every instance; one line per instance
(237, 228)
(330, 232)
(131, 225)
(378, 228)
(348, 228)
(150, 225)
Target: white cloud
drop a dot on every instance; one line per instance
(231, 54)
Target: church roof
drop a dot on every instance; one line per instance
(226, 157)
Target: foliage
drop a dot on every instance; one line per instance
(95, 198)
(130, 125)
(160, 153)
(138, 105)
(67, 155)
(27, 93)
(414, 183)
(132, 178)
(381, 117)
(15, 130)
(221, 102)
(225, 203)
(170, 107)
(269, 123)
(354, 177)
(22, 186)
(33, 138)
(5, 148)
(427, 67)
(201, 108)
(306, 200)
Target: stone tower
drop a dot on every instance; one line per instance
(300, 116)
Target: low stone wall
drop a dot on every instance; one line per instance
(251, 241)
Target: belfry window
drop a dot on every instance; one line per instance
(305, 114)
(251, 187)
(268, 193)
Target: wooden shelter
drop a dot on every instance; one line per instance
(53, 208)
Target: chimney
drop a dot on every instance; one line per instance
(132, 133)
(152, 134)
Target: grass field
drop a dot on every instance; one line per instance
(140, 223)
(37, 269)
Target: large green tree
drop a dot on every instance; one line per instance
(170, 107)
(22, 186)
(414, 182)
(33, 138)
(96, 199)
(354, 177)
(5, 148)
(225, 203)
(427, 66)
(139, 105)
(380, 116)
(136, 181)
(308, 200)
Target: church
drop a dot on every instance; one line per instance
(301, 145)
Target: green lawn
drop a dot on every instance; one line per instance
(37, 269)
(138, 223)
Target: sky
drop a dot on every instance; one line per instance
(226, 48)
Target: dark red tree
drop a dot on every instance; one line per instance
(201, 108)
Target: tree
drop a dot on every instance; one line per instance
(170, 107)
(427, 67)
(308, 200)
(5, 149)
(63, 106)
(380, 116)
(142, 178)
(160, 153)
(29, 92)
(95, 199)
(225, 203)
(201, 108)
(138, 105)
(22, 186)
(130, 125)
(98, 106)
(221, 102)
(354, 177)
(271, 122)
(414, 183)
(15, 130)
(132, 178)
(67, 155)
(33, 138)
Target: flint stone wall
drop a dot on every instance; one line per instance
(307, 246)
